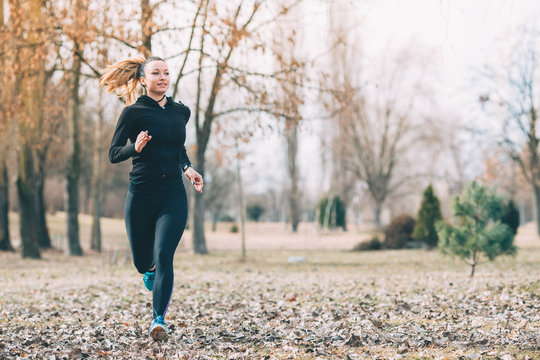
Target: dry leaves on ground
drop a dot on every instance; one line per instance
(63, 308)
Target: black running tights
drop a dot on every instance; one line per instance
(155, 223)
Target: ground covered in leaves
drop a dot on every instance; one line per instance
(335, 305)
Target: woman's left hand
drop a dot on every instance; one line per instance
(195, 178)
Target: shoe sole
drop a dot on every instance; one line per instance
(158, 333)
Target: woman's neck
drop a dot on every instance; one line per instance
(159, 98)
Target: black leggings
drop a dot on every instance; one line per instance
(155, 224)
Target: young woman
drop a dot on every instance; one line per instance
(156, 202)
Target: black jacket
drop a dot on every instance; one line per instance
(165, 154)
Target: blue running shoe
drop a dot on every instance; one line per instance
(148, 279)
(158, 330)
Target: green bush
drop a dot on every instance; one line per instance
(399, 232)
(511, 217)
(255, 211)
(336, 213)
(234, 228)
(373, 244)
(476, 228)
(428, 215)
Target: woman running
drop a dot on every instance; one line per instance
(156, 206)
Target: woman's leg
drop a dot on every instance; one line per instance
(139, 213)
(170, 225)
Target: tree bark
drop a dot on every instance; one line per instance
(292, 151)
(26, 188)
(96, 182)
(199, 242)
(44, 239)
(377, 214)
(241, 203)
(5, 240)
(74, 163)
(473, 267)
(215, 218)
(146, 28)
(537, 207)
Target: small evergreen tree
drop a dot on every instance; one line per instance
(511, 216)
(476, 228)
(332, 212)
(428, 215)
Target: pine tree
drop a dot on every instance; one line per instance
(428, 215)
(332, 213)
(477, 228)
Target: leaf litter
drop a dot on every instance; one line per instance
(225, 309)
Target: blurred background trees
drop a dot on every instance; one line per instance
(356, 137)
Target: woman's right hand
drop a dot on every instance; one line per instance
(141, 141)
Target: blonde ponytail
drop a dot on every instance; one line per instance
(123, 77)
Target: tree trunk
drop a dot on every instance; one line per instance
(95, 239)
(215, 218)
(473, 267)
(96, 182)
(74, 163)
(241, 204)
(537, 207)
(44, 239)
(377, 214)
(26, 189)
(292, 151)
(199, 243)
(5, 241)
(146, 28)
(199, 240)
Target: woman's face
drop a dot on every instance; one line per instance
(156, 77)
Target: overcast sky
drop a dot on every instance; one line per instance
(460, 37)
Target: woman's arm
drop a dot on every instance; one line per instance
(119, 151)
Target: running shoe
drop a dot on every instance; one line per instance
(158, 330)
(148, 279)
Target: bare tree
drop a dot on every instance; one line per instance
(517, 94)
(5, 240)
(81, 19)
(224, 30)
(290, 93)
(32, 41)
(380, 130)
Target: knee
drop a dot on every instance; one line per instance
(164, 259)
(141, 267)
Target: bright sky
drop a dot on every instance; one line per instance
(459, 36)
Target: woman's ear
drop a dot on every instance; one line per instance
(142, 81)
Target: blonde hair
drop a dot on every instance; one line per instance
(123, 76)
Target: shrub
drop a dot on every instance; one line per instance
(511, 217)
(255, 211)
(226, 218)
(476, 226)
(373, 244)
(336, 213)
(399, 232)
(428, 215)
(234, 228)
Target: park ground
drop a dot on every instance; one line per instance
(333, 304)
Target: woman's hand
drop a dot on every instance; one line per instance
(141, 141)
(195, 178)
